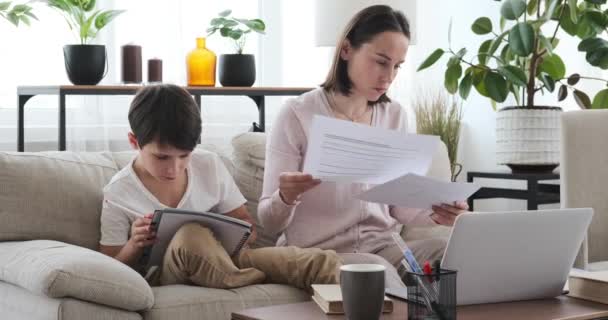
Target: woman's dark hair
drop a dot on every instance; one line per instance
(364, 26)
(166, 114)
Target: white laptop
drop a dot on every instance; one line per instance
(510, 256)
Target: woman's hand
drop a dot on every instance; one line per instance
(293, 184)
(445, 214)
(142, 234)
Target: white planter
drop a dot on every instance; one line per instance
(528, 136)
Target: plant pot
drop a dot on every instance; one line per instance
(528, 139)
(85, 64)
(237, 70)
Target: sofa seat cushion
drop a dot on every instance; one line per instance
(190, 302)
(56, 269)
(18, 303)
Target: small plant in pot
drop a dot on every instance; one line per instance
(236, 69)
(85, 63)
(441, 115)
(520, 58)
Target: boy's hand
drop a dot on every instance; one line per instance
(142, 234)
(293, 184)
(445, 214)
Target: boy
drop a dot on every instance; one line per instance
(166, 124)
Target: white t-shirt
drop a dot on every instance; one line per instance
(210, 188)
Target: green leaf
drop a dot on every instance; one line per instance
(496, 86)
(521, 39)
(506, 54)
(513, 9)
(465, 86)
(574, 78)
(106, 17)
(452, 74)
(532, 7)
(503, 22)
(225, 13)
(235, 34)
(431, 59)
(597, 20)
(598, 58)
(4, 5)
(584, 29)
(88, 5)
(496, 43)
(225, 32)
(562, 94)
(596, 1)
(482, 26)
(548, 81)
(514, 74)
(554, 66)
(592, 44)
(582, 99)
(550, 7)
(85, 28)
(573, 10)
(482, 54)
(546, 44)
(601, 100)
(567, 24)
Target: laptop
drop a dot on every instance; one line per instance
(511, 256)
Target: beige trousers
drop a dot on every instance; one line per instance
(390, 257)
(195, 257)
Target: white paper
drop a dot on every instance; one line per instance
(414, 191)
(343, 151)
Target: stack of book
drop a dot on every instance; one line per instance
(589, 285)
(329, 299)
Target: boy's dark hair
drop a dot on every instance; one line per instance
(364, 26)
(167, 114)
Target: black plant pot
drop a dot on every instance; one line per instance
(237, 70)
(85, 63)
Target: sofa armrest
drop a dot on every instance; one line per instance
(57, 270)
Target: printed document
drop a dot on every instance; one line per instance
(414, 191)
(343, 151)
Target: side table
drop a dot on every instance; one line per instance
(536, 193)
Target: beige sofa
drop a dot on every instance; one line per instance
(50, 204)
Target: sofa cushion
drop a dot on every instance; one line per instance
(189, 302)
(248, 156)
(53, 195)
(57, 270)
(17, 303)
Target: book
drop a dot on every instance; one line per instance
(589, 285)
(232, 233)
(329, 299)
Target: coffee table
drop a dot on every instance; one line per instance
(562, 308)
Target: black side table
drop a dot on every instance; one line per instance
(536, 193)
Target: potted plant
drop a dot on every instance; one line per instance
(520, 59)
(19, 13)
(236, 69)
(85, 63)
(439, 114)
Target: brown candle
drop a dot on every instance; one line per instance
(131, 63)
(155, 70)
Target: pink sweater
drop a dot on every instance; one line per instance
(326, 216)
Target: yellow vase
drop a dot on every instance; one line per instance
(201, 64)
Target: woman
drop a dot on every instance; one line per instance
(310, 213)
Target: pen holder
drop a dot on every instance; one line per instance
(431, 296)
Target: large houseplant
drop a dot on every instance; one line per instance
(18, 13)
(520, 59)
(236, 69)
(85, 63)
